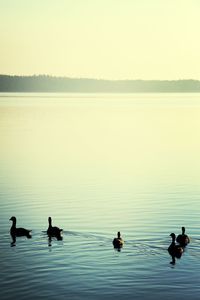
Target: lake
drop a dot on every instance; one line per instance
(99, 164)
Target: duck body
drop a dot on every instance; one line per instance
(118, 242)
(183, 239)
(54, 231)
(174, 249)
(16, 232)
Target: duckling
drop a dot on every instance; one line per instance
(183, 239)
(14, 232)
(118, 242)
(175, 250)
(54, 231)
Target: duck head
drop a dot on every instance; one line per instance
(118, 235)
(13, 219)
(49, 220)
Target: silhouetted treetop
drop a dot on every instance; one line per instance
(45, 83)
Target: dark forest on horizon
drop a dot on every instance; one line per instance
(45, 83)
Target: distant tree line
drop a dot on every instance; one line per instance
(45, 83)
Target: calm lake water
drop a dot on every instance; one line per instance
(98, 164)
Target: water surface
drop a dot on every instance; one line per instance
(98, 164)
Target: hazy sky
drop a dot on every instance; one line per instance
(113, 39)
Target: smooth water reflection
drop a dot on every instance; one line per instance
(97, 165)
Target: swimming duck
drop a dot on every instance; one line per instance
(183, 239)
(54, 231)
(18, 231)
(175, 250)
(118, 242)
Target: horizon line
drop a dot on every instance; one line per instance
(95, 78)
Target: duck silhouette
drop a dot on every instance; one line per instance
(175, 250)
(183, 239)
(15, 232)
(118, 242)
(54, 231)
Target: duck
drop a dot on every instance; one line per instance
(183, 239)
(174, 249)
(118, 242)
(54, 231)
(18, 231)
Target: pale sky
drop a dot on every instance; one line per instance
(111, 39)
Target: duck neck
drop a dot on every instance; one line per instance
(14, 223)
(173, 240)
(50, 222)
